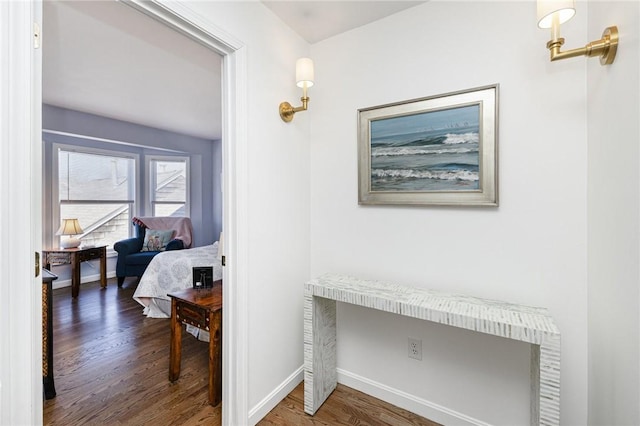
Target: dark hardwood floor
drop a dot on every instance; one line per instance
(111, 365)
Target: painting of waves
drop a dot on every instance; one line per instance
(430, 151)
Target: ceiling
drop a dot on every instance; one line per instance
(105, 58)
(317, 20)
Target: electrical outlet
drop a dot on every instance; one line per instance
(415, 349)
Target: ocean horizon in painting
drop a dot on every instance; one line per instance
(429, 151)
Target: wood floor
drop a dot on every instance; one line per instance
(345, 406)
(111, 365)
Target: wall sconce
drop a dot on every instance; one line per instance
(70, 227)
(552, 13)
(304, 79)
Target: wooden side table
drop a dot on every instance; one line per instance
(47, 334)
(75, 256)
(200, 308)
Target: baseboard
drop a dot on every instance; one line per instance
(422, 407)
(261, 409)
(401, 399)
(84, 279)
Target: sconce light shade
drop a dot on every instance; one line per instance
(72, 228)
(564, 9)
(304, 79)
(304, 72)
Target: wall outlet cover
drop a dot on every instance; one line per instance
(415, 348)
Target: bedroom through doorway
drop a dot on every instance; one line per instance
(230, 135)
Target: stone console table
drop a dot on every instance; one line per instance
(523, 323)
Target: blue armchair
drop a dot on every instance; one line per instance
(132, 262)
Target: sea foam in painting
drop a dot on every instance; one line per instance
(429, 151)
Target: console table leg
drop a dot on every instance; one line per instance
(175, 352)
(320, 376)
(535, 385)
(49, 388)
(75, 275)
(215, 357)
(47, 339)
(103, 268)
(549, 379)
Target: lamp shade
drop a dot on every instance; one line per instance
(70, 227)
(304, 72)
(563, 9)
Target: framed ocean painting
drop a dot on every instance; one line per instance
(439, 150)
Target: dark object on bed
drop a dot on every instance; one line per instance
(202, 276)
(132, 260)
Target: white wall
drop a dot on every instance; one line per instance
(614, 220)
(530, 250)
(278, 164)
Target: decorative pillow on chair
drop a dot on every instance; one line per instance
(156, 240)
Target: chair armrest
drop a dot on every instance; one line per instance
(128, 246)
(175, 245)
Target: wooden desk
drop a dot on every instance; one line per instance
(47, 334)
(75, 256)
(201, 308)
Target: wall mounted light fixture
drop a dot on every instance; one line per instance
(304, 79)
(553, 13)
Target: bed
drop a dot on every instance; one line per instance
(171, 271)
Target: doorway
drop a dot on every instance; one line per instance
(235, 409)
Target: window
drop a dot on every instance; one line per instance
(169, 186)
(98, 188)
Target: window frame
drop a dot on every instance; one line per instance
(56, 203)
(150, 181)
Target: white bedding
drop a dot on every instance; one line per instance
(171, 271)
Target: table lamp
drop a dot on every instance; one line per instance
(70, 227)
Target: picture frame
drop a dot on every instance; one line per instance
(437, 150)
(202, 276)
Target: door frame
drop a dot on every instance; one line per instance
(235, 178)
(21, 391)
(21, 188)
